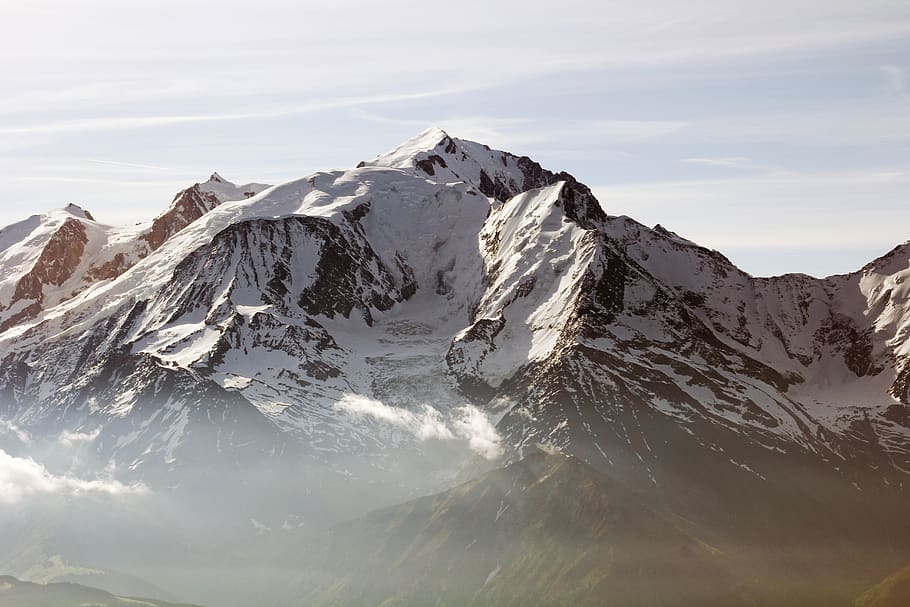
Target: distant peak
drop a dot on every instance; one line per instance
(216, 178)
(225, 190)
(426, 140)
(74, 209)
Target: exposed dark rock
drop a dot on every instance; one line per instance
(110, 269)
(57, 263)
(188, 206)
(856, 345)
(426, 164)
(899, 414)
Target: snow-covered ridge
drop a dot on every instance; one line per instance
(536, 260)
(43, 259)
(225, 190)
(444, 272)
(51, 258)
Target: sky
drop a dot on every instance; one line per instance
(775, 132)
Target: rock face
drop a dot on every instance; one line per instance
(55, 265)
(188, 206)
(444, 274)
(194, 202)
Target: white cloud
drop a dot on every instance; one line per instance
(16, 431)
(68, 438)
(482, 436)
(425, 424)
(467, 423)
(21, 478)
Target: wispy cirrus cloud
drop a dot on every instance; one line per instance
(123, 123)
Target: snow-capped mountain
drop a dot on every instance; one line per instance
(437, 283)
(48, 259)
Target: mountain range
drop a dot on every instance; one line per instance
(396, 328)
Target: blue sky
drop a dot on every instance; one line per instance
(776, 132)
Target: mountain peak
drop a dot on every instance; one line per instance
(434, 132)
(426, 140)
(497, 174)
(414, 150)
(216, 178)
(224, 190)
(77, 211)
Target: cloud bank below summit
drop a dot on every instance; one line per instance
(23, 477)
(465, 423)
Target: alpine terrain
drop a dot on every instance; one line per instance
(601, 412)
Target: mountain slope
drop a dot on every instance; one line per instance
(893, 591)
(548, 530)
(540, 265)
(333, 284)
